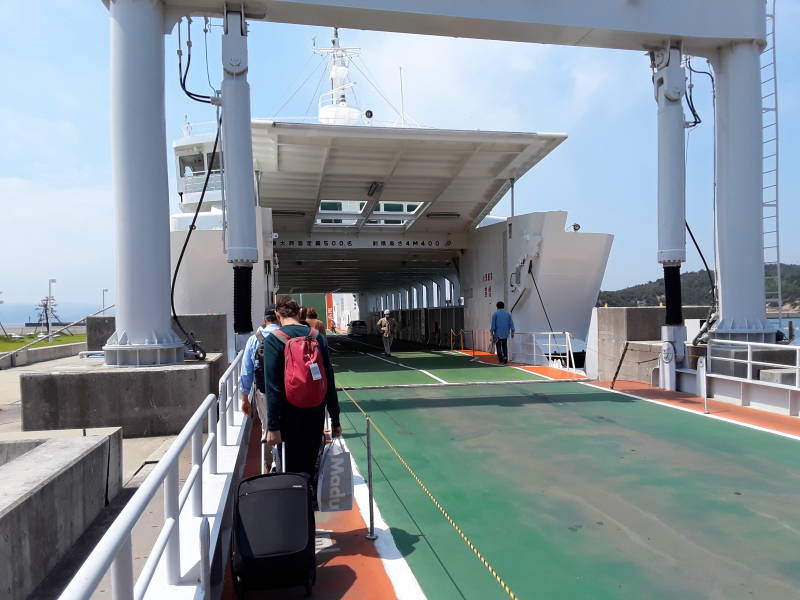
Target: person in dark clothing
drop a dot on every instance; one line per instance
(299, 428)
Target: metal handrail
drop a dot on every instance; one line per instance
(552, 347)
(749, 361)
(114, 550)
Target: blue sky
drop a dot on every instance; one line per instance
(57, 215)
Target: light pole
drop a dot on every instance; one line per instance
(5, 333)
(103, 305)
(50, 283)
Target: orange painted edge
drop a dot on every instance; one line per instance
(551, 372)
(741, 414)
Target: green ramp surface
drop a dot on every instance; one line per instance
(572, 492)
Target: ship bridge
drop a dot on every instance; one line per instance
(369, 208)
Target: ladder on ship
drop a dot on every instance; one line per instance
(769, 190)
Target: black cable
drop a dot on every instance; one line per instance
(183, 74)
(705, 264)
(190, 341)
(538, 293)
(690, 102)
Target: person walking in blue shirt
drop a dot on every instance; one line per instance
(502, 326)
(249, 366)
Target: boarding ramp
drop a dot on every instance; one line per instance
(190, 554)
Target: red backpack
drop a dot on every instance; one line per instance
(304, 377)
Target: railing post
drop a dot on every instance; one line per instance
(797, 366)
(222, 411)
(122, 572)
(197, 463)
(371, 535)
(205, 568)
(171, 512)
(749, 362)
(231, 399)
(212, 435)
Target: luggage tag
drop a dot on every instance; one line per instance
(315, 373)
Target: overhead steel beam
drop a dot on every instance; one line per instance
(629, 24)
(443, 189)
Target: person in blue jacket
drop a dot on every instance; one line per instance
(502, 326)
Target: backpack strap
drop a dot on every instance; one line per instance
(282, 336)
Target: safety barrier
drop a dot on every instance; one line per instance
(776, 364)
(183, 533)
(545, 348)
(456, 335)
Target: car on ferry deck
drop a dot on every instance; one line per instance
(356, 328)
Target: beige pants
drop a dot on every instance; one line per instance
(387, 343)
(260, 402)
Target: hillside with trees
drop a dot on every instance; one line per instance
(695, 290)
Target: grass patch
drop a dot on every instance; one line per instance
(7, 344)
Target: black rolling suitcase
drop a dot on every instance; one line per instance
(274, 533)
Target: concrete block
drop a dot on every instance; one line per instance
(35, 355)
(210, 330)
(50, 495)
(782, 376)
(13, 449)
(98, 330)
(144, 401)
(617, 325)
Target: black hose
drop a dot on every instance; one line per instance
(183, 74)
(189, 338)
(242, 295)
(672, 292)
(538, 293)
(705, 264)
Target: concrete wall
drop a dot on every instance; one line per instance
(617, 325)
(144, 401)
(10, 450)
(211, 330)
(35, 355)
(49, 496)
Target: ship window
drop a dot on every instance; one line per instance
(392, 221)
(361, 205)
(217, 157)
(392, 207)
(191, 164)
(330, 220)
(411, 207)
(330, 206)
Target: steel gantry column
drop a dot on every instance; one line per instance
(240, 193)
(140, 189)
(739, 181)
(669, 83)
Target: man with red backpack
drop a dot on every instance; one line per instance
(300, 385)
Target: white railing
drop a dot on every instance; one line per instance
(195, 183)
(545, 348)
(719, 364)
(114, 550)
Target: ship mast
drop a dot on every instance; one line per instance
(334, 108)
